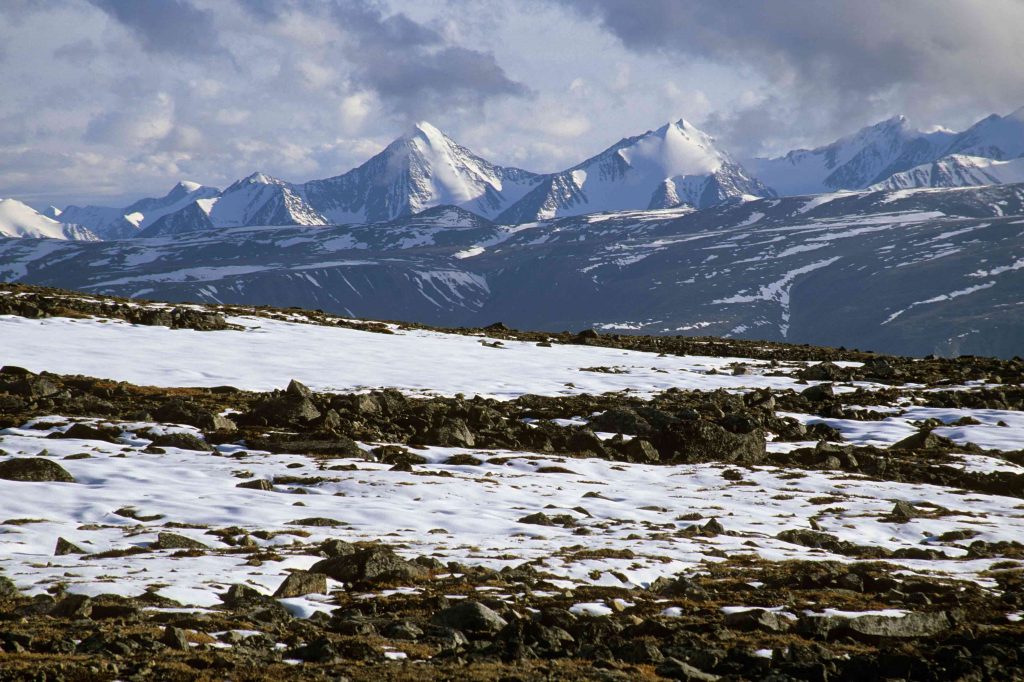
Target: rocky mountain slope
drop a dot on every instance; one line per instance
(956, 170)
(201, 490)
(910, 271)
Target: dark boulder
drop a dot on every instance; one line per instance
(470, 617)
(372, 565)
(183, 441)
(36, 469)
(299, 583)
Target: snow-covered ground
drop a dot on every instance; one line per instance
(268, 353)
(471, 516)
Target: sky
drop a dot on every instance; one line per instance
(106, 101)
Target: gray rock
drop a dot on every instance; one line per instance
(641, 451)
(377, 564)
(66, 547)
(299, 583)
(759, 619)
(876, 627)
(256, 484)
(471, 617)
(34, 469)
(905, 511)
(73, 606)
(175, 638)
(183, 441)
(298, 389)
(819, 393)
(924, 440)
(337, 548)
(175, 541)
(8, 590)
(675, 669)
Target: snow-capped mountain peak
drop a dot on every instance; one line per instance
(854, 161)
(420, 169)
(672, 165)
(20, 220)
(995, 137)
(255, 178)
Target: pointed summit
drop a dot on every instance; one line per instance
(672, 165)
(421, 169)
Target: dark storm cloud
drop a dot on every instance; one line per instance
(411, 66)
(167, 26)
(845, 57)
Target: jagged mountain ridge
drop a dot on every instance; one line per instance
(956, 170)
(874, 154)
(672, 166)
(664, 168)
(937, 271)
(123, 223)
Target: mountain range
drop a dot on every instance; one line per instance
(919, 249)
(910, 272)
(672, 166)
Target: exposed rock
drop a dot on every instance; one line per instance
(542, 519)
(73, 606)
(86, 432)
(675, 669)
(924, 440)
(327, 448)
(256, 484)
(904, 511)
(819, 393)
(640, 450)
(175, 541)
(184, 441)
(8, 590)
(376, 564)
(452, 433)
(299, 583)
(463, 460)
(336, 548)
(181, 412)
(759, 619)
(65, 547)
(21, 382)
(470, 617)
(175, 638)
(874, 627)
(34, 469)
(704, 441)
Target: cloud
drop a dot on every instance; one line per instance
(412, 67)
(166, 26)
(849, 57)
(125, 97)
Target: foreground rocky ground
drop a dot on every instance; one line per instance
(742, 511)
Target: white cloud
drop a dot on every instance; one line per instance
(116, 102)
